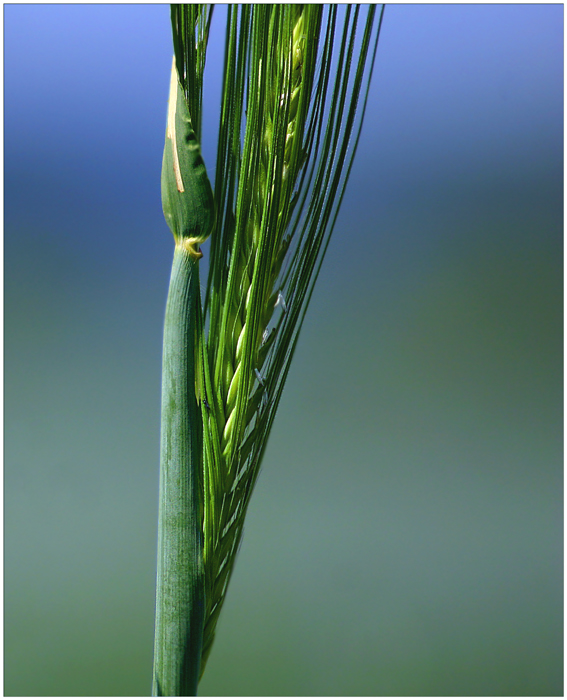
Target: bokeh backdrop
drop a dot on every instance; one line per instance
(405, 537)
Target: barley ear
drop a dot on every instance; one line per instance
(296, 79)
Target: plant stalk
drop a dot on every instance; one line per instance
(180, 604)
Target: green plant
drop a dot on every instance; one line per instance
(295, 83)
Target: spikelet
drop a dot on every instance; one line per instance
(238, 315)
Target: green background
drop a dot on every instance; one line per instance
(405, 537)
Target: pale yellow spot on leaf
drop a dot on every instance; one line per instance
(170, 132)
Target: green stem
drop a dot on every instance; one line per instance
(180, 594)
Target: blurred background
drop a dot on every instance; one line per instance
(405, 537)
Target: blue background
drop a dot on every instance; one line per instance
(405, 537)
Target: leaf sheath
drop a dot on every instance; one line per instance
(180, 604)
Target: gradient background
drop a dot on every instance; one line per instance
(406, 533)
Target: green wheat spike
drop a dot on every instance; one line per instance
(295, 83)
